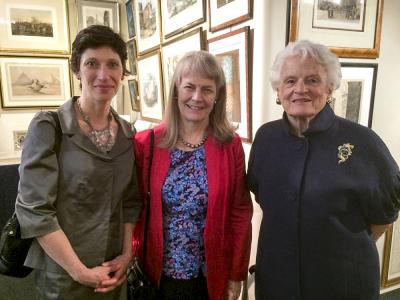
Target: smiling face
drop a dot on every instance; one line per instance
(100, 73)
(303, 89)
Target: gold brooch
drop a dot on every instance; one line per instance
(345, 151)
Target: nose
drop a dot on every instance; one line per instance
(197, 94)
(300, 87)
(103, 73)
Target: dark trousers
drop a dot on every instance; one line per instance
(180, 289)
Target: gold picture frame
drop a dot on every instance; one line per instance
(391, 256)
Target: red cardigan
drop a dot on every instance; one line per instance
(227, 234)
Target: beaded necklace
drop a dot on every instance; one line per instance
(193, 146)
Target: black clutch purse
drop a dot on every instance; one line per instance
(13, 250)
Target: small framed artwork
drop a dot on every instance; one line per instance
(178, 16)
(130, 18)
(354, 99)
(19, 137)
(98, 13)
(225, 13)
(133, 92)
(150, 89)
(391, 256)
(34, 26)
(34, 82)
(173, 51)
(131, 46)
(348, 28)
(147, 16)
(232, 51)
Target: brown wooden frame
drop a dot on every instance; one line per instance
(385, 281)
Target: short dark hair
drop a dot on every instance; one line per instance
(96, 36)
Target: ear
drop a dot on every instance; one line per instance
(78, 76)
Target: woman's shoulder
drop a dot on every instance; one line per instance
(143, 136)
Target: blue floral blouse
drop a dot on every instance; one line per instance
(185, 194)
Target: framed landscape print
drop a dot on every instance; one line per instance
(133, 92)
(348, 28)
(98, 13)
(147, 16)
(354, 99)
(131, 47)
(232, 51)
(130, 19)
(225, 13)
(150, 89)
(28, 82)
(178, 15)
(34, 26)
(173, 51)
(391, 256)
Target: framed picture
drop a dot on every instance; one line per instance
(147, 16)
(173, 51)
(232, 51)
(354, 99)
(391, 256)
(178, 16)
(349, 28)
(19, 137)
(133, 92)
(34, 82)
(150, 89)
(225, 13)
(131, 46)
(130, 19)
(98, 13)
(34, 26)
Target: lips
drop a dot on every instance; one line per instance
(302, 100)
(194, 107)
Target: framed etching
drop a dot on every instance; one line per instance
(354, 99)
(150, 89)
(147, 16)
(133, 92)
(34, 26)
(225, 13)
(178, 16)
(130, 19)
(349, 28)
(391, 256)
(131, 47)
(34, 82)
(97, 13)
(232, 51)
(173, 51)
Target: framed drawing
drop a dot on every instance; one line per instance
(391, 256)
(178, 16)
(349, 28)
(354, 99)
(34, 26)
(34, 82)
(19, 137)
(133, 92)
(232, 50)
(147, 16)
(225, 13)
(150, 89)
(174, 50)
(130, 19)
(97, 13)
(131, 46)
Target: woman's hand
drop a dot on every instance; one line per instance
(93, 277)
(233, 290)
(378, 230)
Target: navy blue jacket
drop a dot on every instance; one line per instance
(314, 240)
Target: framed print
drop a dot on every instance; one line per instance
(131, 46)
(173, 51)
(354, 99)
(28, 82)
(348, 28)
(133, 92)
(97, 13)
(391, 256)
(178, 15)
(19, 137)
(147, 16)
(232, 51)
(225, 13)
(130, 19)
(34, 26)
(150, 89)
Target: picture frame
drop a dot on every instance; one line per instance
(354, 99)
(175, 49)
(134, 95)
(233, 51)
(132, 57)
(148, 25)
(225, 13)
(342, 39)
(150, 87)
(17, 33)
(97, 13)
(28, 82)
(178, 18)
(391, 256)
(130, 16)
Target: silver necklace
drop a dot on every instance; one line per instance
(103, 139)
(193, 146)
